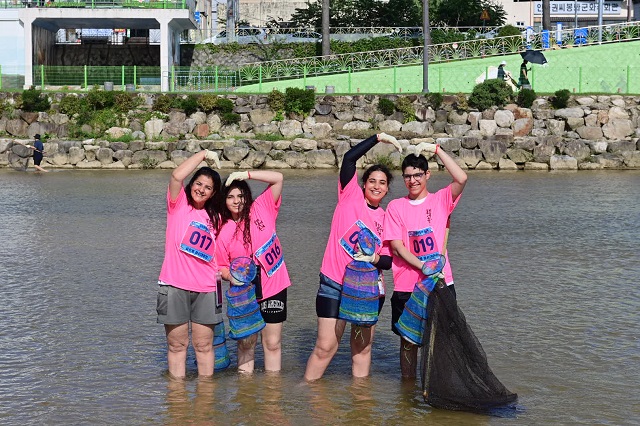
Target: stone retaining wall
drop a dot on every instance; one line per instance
(596, 132)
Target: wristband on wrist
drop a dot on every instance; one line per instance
(249, 175)
(437, 147)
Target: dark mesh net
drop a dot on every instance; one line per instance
(455, 372)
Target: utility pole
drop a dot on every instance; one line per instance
(326, 41)
(426, 31)
(232, 19)
(546, 14)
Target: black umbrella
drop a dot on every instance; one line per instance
(534, 56)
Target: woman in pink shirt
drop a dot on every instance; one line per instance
(358, 207)
(249, 230)
(187, 292)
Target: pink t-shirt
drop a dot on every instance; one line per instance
(190, 247)
(265, 249)
(351, 215)
(422, 229)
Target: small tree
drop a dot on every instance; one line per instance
(493, 92)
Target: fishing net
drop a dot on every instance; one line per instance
(454, 369)
(410, 324)
(243, 311)
(366, 241)
(222, 359)
(243, 269)
(360, 294)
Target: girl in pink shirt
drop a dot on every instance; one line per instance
(249, 230)
(187, 292)
(358, 207)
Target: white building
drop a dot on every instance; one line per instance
(524, 13)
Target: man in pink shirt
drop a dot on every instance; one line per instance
(416, 229)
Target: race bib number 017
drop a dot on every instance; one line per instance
(198, 242)
(270, 255)
(422, 244)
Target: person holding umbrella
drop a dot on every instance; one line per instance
(533, 56)
(523, 80)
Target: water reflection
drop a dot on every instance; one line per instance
(545, 267)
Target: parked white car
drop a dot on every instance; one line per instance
(303, 37)
(244, 35)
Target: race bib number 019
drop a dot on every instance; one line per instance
(422, 244)
(198, 242)
(270, 255)
(349, 241)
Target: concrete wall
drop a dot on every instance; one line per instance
(11, 48)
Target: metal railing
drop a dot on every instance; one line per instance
(301, 68)
(373, 72)
(98, 4)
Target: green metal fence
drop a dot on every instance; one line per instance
(98, 4)
(595, 60)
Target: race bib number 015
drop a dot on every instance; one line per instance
(198, 242)
(270, 255)
(422, 243)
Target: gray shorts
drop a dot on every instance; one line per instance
(176, 306)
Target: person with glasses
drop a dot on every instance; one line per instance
(415, 228)
(358, 207)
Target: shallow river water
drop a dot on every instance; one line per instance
(546, 269)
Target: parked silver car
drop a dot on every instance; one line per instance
(244, 35)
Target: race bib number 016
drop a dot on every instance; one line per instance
(422, 244)
(349, 241)
(270, 255)
(198, 242)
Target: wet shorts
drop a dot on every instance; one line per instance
(328, 298)
(176, 306)
(274, 308)
(398, 300)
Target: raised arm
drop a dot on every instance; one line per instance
(459, 176)
(348, 168)
(273, 179)
(187, 167)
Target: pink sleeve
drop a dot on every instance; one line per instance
(265, 203)
(392, 225)
(182, 198)
(222, 254)
(348, 191)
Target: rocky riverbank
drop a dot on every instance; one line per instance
(594, 132)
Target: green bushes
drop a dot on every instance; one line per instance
(207, 102)
(34, 101)
(100, 99)
(163, 103)
(434, 99)
(189, 104)
(405, 106)
(228, 118)
(72, 105)
(125, 102)
(493, 92)
(299, 101)
(386, 106)
(509, 30)
(525, 98)
(561, 99)
(224, 105)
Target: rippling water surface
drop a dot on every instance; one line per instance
(546, 268)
